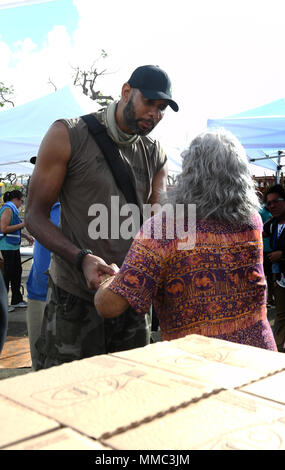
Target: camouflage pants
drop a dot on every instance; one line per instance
(73, 330)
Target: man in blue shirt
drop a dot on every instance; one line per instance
(37, 284)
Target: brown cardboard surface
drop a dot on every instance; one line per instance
(228, 420)
(63, 439)
(185, 358)
(237, 355)
(272, 388)
(101, 394)
(18, 423)
(168, 395)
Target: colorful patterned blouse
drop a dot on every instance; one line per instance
(216, 289)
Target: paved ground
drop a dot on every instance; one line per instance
(17, 327)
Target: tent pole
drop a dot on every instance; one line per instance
(278, 167)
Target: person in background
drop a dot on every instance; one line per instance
(10, 241)
(266, 215)
(71, 168)
(274, 229)
(37, 285)
(216, 286)
(3, 312)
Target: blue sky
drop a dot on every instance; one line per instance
(36, 20)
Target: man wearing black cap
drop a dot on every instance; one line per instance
(73, 168)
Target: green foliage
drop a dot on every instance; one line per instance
(5, 94)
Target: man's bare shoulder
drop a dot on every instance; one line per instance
(56, 143)
(60, 127)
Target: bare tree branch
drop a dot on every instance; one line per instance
(87, 80)
(51, 83)
(4, 93)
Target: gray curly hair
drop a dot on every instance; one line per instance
(216, 178)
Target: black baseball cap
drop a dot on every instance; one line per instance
(153, 83)
(33, 160)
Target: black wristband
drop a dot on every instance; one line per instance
(80, 256)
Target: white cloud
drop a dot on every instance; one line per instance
(20, 3)
(211, 48)
(223, 56)
(5, 54)
(25, 47)
(29, 68)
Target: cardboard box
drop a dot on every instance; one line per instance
(168, 395)
(225, 421)
(272, 388)
(212, 362)
(19, 423)
(63, 439)
(258, 360)
(101, 394)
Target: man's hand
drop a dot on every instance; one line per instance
(30, 240)
(275, 256)
(94, 268)
(105, 277)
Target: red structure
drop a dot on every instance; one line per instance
(263, 183)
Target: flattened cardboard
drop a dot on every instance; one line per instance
(228, 420)
(272, 388)
(168, 356)
(168, 395)
(63, 439)
(18, 423)
(101, 394)
(237, 355)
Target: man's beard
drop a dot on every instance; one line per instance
(132, 123)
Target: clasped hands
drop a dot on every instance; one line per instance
(97, 271)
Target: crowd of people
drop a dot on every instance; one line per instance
(210, 270)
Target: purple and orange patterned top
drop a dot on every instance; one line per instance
(216, 289)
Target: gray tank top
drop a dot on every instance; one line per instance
(89, 181)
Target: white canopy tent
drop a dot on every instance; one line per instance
(23, 127)
(261, 132)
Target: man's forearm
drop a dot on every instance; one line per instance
(52, 238)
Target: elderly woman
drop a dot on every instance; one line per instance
(217, 287)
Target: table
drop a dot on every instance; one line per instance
(26, 252)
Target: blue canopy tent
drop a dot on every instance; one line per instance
(262, 133)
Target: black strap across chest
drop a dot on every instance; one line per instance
(112, 155)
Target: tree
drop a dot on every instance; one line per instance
(87, 80)
(5, 93)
